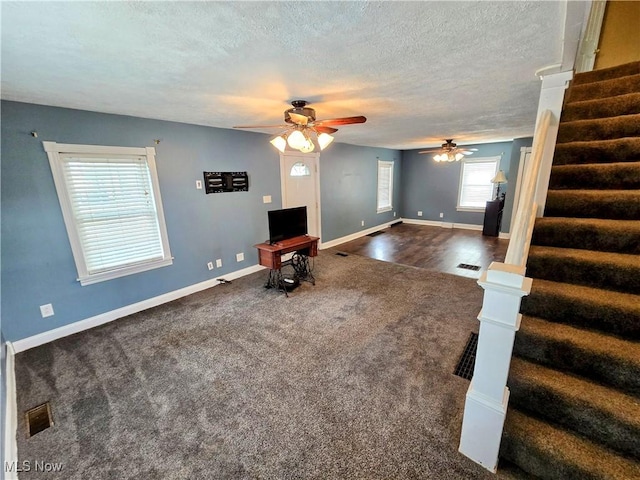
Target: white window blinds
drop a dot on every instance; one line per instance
(385, 186)
(112, 210)
(475, 182)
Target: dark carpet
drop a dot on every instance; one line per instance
(349, 379)
(575, 388)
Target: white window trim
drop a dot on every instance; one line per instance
(386, 164)
(54, 150)
(474, 160)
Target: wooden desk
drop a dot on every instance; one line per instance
(270, 256)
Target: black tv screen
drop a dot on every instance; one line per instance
(287, 223)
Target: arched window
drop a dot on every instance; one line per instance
(299, 169)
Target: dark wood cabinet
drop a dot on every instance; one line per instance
(493, 218)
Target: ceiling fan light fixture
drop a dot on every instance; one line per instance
(308, 147)
(279, 142)
(324, 140)
(459, 157)
(296, 140)
(437, 158)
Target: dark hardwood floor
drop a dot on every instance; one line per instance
(432, 248)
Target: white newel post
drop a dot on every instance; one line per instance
(487, 397)
(551, 98)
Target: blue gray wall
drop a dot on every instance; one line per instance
(348, 187)
(432, 187)
(37, 263)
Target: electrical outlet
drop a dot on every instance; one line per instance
(419, 213)
(218, 263)
(46, 310)
(239, 257)
(362, 223)
(210, 265)
(394, 214)
(441, 215)
(266, 199)
(199, 184)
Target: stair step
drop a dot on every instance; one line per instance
(612, 204)
(553, 453)
(596, 175)
(621, 126)
(602, 107)
(586, 307)
(617, 71)
(601, 151)
(607, 359)
(589, 409)
(622, 236)
(613, 271)
(604, 88)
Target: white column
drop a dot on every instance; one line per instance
(551, 98)
(487, 397)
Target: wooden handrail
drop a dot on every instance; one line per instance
(526, 213)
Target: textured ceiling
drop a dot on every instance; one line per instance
(419, 71)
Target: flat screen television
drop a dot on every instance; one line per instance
(287, 223)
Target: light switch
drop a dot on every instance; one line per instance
(266, 199)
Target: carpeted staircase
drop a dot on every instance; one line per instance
(574, 411)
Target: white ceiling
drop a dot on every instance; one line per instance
(419, 71)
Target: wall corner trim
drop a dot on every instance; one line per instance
(86, 324)
(10, 415)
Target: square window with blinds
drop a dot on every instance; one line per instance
(475, 182)
(110, 202)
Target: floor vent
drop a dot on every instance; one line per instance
(399, 222)
(375, 234)
(468, 267)
(342, 254)
(38, 419)
(467, 360)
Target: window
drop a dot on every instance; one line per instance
(299, 169)
(475, 183)
(385, 186)
(112, 209)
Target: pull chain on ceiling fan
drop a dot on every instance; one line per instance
(301, 127)
(450, 152)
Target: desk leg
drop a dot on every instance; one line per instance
(300, 264)
(275, 280)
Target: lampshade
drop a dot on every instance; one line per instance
(499, 178)
(459, 157)
(308, 147)
(324, 139)
(297, 140)
(279, 142)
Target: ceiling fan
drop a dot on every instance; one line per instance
(450, 152)
(301, 124)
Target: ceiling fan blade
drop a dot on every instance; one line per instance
(429, 151)
(466, 152)
(262, 126)
(321, 129)
(342, 121)
(298, 119)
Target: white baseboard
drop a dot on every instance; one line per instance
(353, 236)
(79, 326)
(11, 415)
(434, 223)
(504, 236)
(430, 223)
